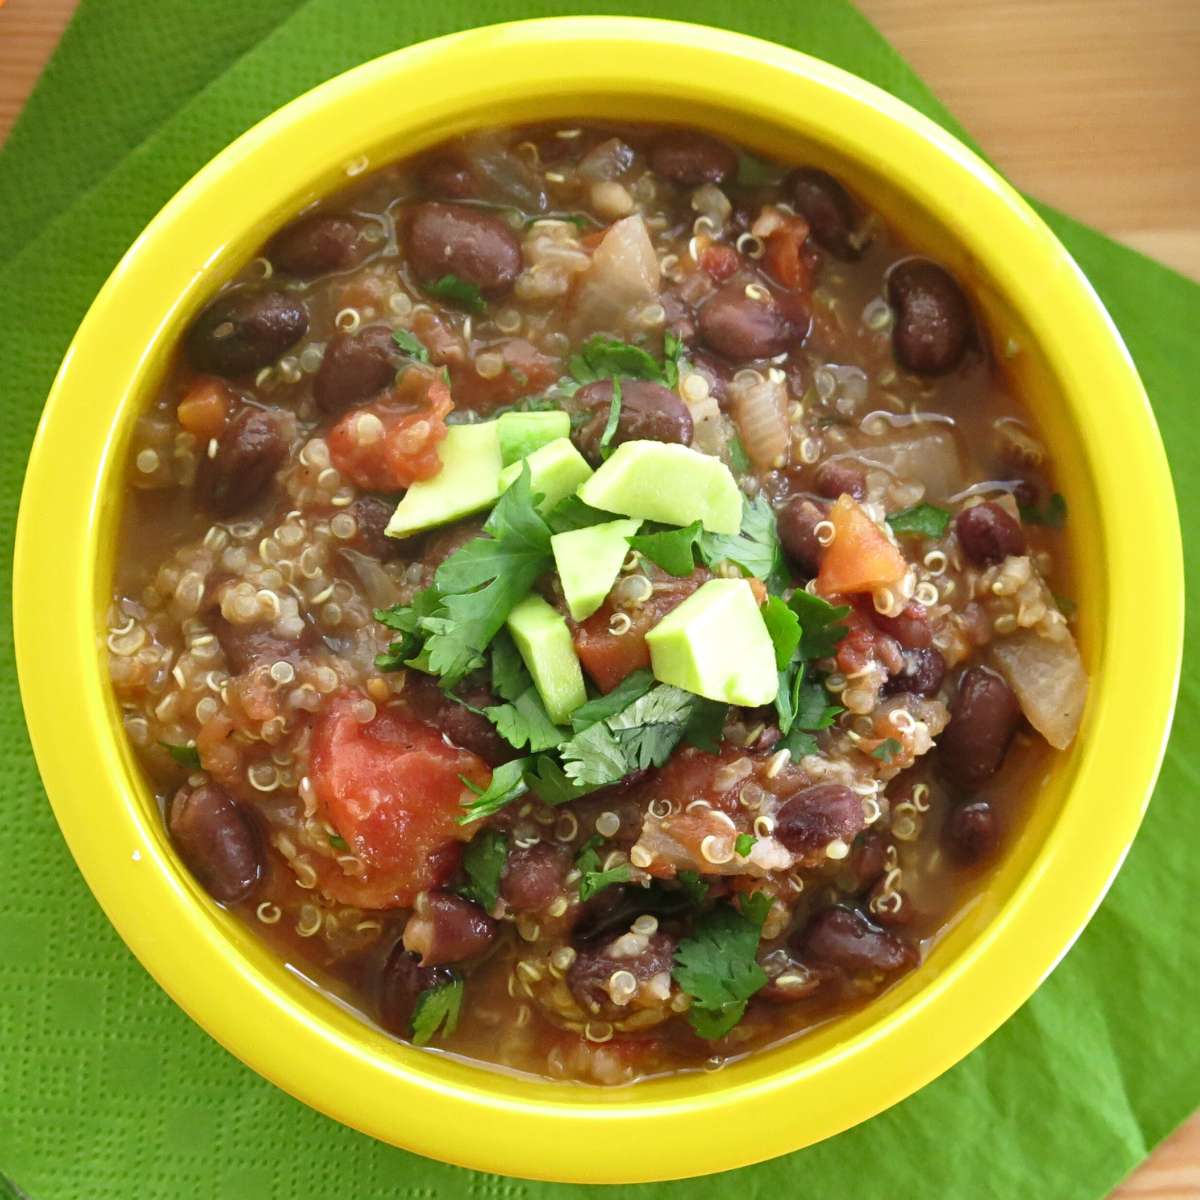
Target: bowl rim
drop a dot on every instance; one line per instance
(341, 1067)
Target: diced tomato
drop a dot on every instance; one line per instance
(391, 789)
(720, 261)
(784, 256)
(607, 656)
(204, 408)
(860, 558)
(407, 449)
(526, 370)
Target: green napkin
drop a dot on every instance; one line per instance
(110, 1092)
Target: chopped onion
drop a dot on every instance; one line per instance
(1048, 678)
(624, 277)
(760, 412)
(377, 583)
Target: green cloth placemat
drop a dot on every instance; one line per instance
(108, 1092)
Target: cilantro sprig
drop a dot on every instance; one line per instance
(411, 345)
(459, 292)
(1054, 515)
(186, 756)
(437, 1008)
(483, 861)
(924, 520)
(592, 879)
(718, 965)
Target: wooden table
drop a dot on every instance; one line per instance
(1092, 105)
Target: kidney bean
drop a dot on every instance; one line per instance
(593, 967)
(690, 158)
(894, 911)
(249, 452)
(649, 412)
(217, 840)
(830, 212)
(371, 516)
(797, 522)
(983, 719)
(971, 833)
(445, 928)
(248, 646)
(910, 628)
(933, 323)
(841, 477)
(922, 674)
(466, 729)
(868, 856)
(356, 366)
(402, 980)
(452, 239)
(988, 534)
(447, 178)
(245, 330)
(815, 816)
(533, 876)
(743, 327)
(318, 244)
(843, 937)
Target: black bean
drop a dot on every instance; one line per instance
(445, 928)
(217, 840)
(841, 477)
(318, 244)
(690, 158)
(922, 675)
(988, 534)
(649, 412)
(371, 516)
(970, 833)
(815, 816)
(249, 452)
(245, 330)
(533, 876)
(983, 719)
(830, 212)
(356, 366)
(843, 937)
(761, 325)
(593, 967)
(933, 324)
(402, 980)
(452, 239)
(797, 521)
(466, 729)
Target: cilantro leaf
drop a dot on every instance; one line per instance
(706, 726)
(743, 844)
(755, 548)
(651, 727)
(185, 756)
(718, 966)
(784, 627)
(525, 722)
(798, 743)
(926, 520)
(673, 360)
(573, 513)
(594, 757)
(813, 711)
(338, 842)
(694, 887)
(671, 549)
(631, 688)
(1054, 515)
(820, 623)
(410, 344)
(550, 782)
(756, 905)
(602, 357)
(614, 416)
(886, 750)
(458, 292)
(508, 784)
(591, 878)
(483, 860)
(510, 679)
(437, 1008)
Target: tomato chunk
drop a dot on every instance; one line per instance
(391, 789)
(860, 558)
(384, 449)
(525, 370)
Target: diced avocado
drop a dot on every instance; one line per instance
(468, 481)
(660, 481)
(716, 644)
(542, 637)
(555, 471)
(521, 433)
(588, 560)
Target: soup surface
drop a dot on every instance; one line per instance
(591, 599)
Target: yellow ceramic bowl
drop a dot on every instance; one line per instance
(1072, 367)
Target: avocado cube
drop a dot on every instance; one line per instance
(589, 560)
(555, 470)
(521, 433)
(541, 635)
(716, 644)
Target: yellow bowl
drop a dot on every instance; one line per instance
(1072, 367)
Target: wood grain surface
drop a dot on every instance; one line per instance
(1091, 105)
